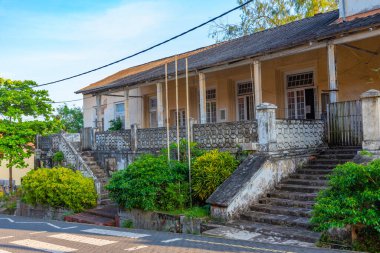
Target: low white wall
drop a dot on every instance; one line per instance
(267, 174)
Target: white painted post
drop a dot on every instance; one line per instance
(127, 121)
(98, 122)
(258, 83)
(333, 86)
(134, 140)
(160, 106)
(266, 122)
(371, 119)
(202, 98)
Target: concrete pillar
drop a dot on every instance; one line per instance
(333, 86)
(202, 98)
(258, 83)
(160, 106)
(134, 140)
(371, 119)
(127, 121)
(98, 121)
(266, 122)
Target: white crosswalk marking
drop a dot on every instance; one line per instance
(48, 247)
(172, 240)
(114, 233)
(83, 239)
(4, 251)
(38, 232)
(136, 248)
(6, 237)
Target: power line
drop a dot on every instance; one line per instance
(68, 101)
(148, 49)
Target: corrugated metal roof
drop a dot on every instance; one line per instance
(317, 28)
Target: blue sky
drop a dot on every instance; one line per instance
(48, 40)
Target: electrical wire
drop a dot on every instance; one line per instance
(148, 49)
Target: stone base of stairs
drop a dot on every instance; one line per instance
(258, 236)
(102, 216)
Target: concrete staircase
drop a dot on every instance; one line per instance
(103, 214)
(282, 216)
(99, 173)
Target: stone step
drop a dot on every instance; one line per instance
(352, 151)
(287, 202)
(289, 233)
(314, 171)
(319, 166)
(88, 158)
(277, 219)
(90, 219)
(299, 196)
(91, 163)
(106, 202)
(299, 188)
(305, 182)
(336, 156)
(86, 153)
(308, 176)
(329, 161)
(271, 209)
(109, 211)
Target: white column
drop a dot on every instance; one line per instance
(127, 121)
(333, 86)
(98, 124)
(371, 119)
(135, 107)
(160, 106)
(266, 127)
(257, 84)
(202, 98)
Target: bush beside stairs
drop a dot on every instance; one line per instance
(282, 216)
(104, 214)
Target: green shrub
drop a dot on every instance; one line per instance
(58, 157)
(352, 198)
(210, 170)
(59, 187)
(175, 196)
(116, 124)
(194, 149)
(143, 183)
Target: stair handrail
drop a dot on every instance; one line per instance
(80, 163)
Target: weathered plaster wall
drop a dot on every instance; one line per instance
(353, 7)
(17, 173)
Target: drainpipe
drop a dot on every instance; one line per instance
(343, 9)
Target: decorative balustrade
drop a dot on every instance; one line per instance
(113, 140)
(300, 134)
(155, 138)
(227, 135)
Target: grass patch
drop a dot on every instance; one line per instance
(194, 212)
(365, 153)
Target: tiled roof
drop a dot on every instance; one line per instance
(317, 28)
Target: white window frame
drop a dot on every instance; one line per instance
(182, 119)
(153, 112)
(118, 115)
(237, 98)
(210, 101)
(300, 71)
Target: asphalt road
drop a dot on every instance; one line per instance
(21, 234)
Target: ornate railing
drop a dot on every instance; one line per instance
(73, 158)
(113, 140)
(300, 134)
(227, 135)
(155, 138)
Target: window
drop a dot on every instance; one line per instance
(300, 104)
(245, 105)
(211, 106)
(182, 117)
(120, 113)
(153, 112)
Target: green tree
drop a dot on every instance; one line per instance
(25, 112)
(71, 118)
(263, 14)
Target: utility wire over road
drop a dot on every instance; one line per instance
(147, 49)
